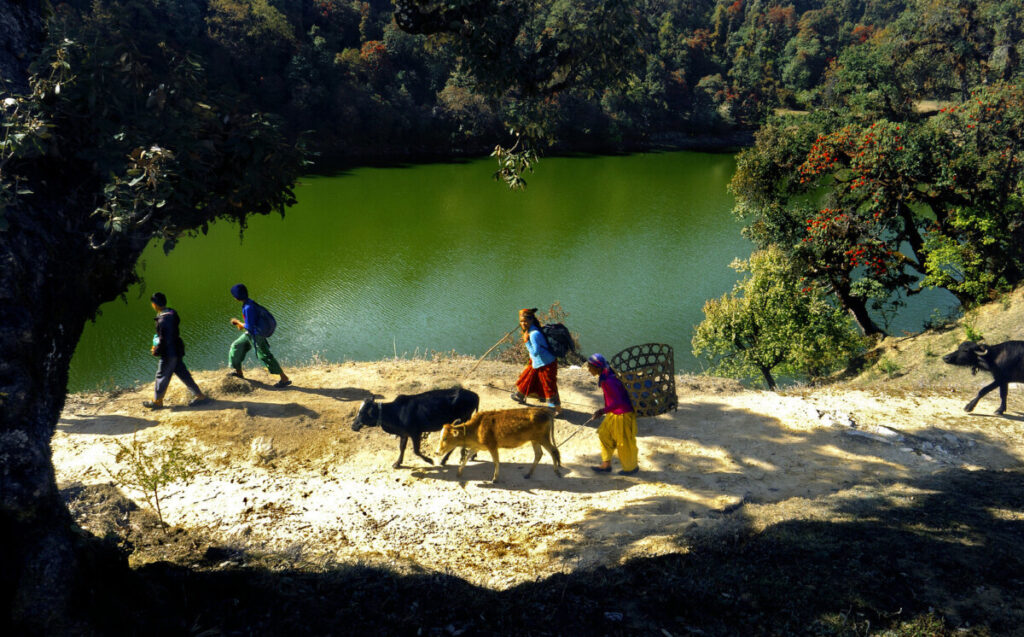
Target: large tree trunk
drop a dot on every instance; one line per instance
(48, 564)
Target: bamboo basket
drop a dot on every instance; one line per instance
(649, 375)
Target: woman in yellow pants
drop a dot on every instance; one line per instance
(618, 428)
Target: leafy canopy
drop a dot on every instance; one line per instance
(774, 322)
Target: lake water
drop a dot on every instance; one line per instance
(375, 262)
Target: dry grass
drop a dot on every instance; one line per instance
(900, 364)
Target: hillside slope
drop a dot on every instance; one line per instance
(914, 363)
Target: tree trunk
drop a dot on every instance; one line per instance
(858, 309)
(768, 378)
(51, 282)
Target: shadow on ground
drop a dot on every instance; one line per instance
(942, 561)
(106, 424)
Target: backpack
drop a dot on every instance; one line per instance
(559, 339)
(263, 322)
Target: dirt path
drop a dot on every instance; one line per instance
(284, 471)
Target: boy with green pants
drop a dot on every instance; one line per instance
(251, 340)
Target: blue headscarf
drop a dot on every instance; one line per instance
(239, 291)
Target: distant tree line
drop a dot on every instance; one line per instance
(346, 69)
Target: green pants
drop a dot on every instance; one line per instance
(248, 341)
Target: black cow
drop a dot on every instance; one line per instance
(1004, 360)
(412, 416)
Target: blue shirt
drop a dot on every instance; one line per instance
(537, 346)
(248, 315)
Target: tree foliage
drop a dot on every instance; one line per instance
(774, 322)
(872, 211)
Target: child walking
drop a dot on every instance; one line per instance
(170, 349)
(251, 339)
(617, 431)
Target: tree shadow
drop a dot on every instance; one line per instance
(105, 424)
(761, 461)
(941, 554)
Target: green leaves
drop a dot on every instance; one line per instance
(513, 163)
(149, 469)
(774, 321)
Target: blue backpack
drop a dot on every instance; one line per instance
(263, 322)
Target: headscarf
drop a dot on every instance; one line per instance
(598, 360)
(531, 315)
(239, 291)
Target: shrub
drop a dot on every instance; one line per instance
(149, 471)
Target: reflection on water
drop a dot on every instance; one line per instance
(440, 257)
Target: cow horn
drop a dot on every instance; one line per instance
(981, 350)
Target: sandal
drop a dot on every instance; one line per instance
(282, 383)
(602, 469)
(198, 401)
(630, 472)
(519, 398)
(149, 404)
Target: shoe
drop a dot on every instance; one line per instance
(236, 374)
(282, 383)
(149, 404)
(603, 469)
(519, 398)
(630, 472)
(198, 401)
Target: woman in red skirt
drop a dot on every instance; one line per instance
(540, 378)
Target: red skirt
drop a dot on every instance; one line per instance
(540, 383)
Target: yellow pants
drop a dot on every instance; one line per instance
(618, 432)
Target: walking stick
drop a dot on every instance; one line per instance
(500, 341)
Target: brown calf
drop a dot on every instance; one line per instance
(507, 429)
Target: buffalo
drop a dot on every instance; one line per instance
(1005, 361)
(412, 416)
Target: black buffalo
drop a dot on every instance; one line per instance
(412, 416)
(1005, 361)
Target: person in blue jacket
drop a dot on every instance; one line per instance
(251, 340)
(539, 379)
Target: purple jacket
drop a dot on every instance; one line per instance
(616, 399)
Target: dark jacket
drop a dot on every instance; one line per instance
(169, 343)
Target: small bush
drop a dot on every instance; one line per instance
(512, 350)
(972, 333)
(889, 367)
(150, 471)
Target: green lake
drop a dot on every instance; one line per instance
(382, 261)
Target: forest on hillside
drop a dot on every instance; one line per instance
(365, 88)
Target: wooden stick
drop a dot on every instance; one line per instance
(500, 341)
